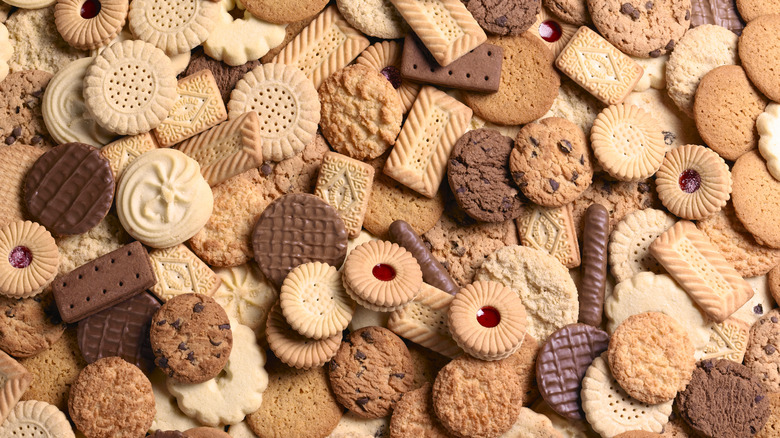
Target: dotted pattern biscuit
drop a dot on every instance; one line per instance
(39, 418)
(175, 26)
(631, 239)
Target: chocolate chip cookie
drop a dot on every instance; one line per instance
(504, 17)
(762, 355)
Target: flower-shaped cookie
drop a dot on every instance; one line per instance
(89, 24)
(175, 26)
(236, 41)
(29, 259)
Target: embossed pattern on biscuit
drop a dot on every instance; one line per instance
(385, 57)
(28, 259)
(728, 340)
(550, 229)
(175, 26)
(122, 152)
(246, 295)
(345, 184)
(179, 271)
(14, 381)
(297, 350)
(89, 33)
(36, 417)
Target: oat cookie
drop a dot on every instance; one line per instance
(80, 249)
(376, 18)
(570, 11)
(504, 17)
(294, 349)
(761, 354)
(240, 38)
(15, 162)
(37, 43)
(24, 90)
(84, 32)
(414, 416)
(630, 240)
(758, 52)
(246, 295)
(385, 57)
(174, 26)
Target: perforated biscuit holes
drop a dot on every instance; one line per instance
(127, 87)
(443, 20)
(168, 15)
(275, 104)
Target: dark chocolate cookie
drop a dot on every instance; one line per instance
(225, 75)
(504, 17)
(478, 174)
(191, 338)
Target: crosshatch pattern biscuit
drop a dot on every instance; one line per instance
(122, 152)
(690, 257)
(345, 184)
(179, 271)
(434, 124)
(326, 45)
(550, 229)
(175, 26)
(599, 67)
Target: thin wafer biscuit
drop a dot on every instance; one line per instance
(600, 68)
(175, 26)
(326, 45)
(198, 107)
(419, 158)
(424, 321)
(294, 349)
(690, 257)
(179, 271)
(345, 184)
(122, 152)
(14, 381)
(446, 27)
(15, 161)
(550, 229)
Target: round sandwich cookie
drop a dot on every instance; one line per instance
(29, 259)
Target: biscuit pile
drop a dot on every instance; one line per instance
(389, 218)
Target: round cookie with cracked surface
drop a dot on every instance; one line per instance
(550, 162)
(754, 197)
(371, 371)
(724, 398)
(414, 416)
(772, 426)
(759, 50)
(504, 17)
(762, 356)
(191, 338)
(478, 173)
(29, 326)
(570, 11)
(641, 28)
(752, 9)
(376, 18)
(113, 398)
(21, 119)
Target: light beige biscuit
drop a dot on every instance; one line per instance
(179, 62)
(122, 152)
(761, 303)
(287, 104)
(599, 67)
(376, 18)
(6, 51)
(246, 295)
(86, 32)
(677, 128)
(227, 150)
(434, 124)
(30, 4)
(767, 125)
(179, 271)
(690, 257)
(445, 27)
(566, 427)
(654, 75)
(130, 87)
(325, 46)
(550, 229)
(574, 104)
(385, 57)
(295, 350)
(345, 184)
(728, 340)
(37, 43)
(174, 26)
(238, 37)
(198, 107)
(38, 419)
(15, 161)
(353, 426)
(14, 381)
(530, 424)
(424, 321)
(167, 415)
(630, 240)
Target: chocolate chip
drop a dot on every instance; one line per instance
(506, 204)
(362, 401)
(649, 5)
(485, 181)
(36, 139)
(161, 322)
(333, 365)
(669, 46)
(10, 313)
(216, 344)
(518, 175)
(191, 357)
(773, 319)
(534, 142)
(643, 187)
(534, 154)
(582, 160)
(359, 374)
(224, 326)
(266, 169)
(17, 131)
(565, 146)
(655, 53)
(501, 21)
(554, 184)
(574, 176)
(176, 324)
(37, 93)
(687, 14)
(707, 364)
(359, 355)
(630, 10)
(10, 140)
(367, 336)
(398, 375)
(759, 398)
(162, 362)
(770, 349)
(607, 187)
(668, 138)
(182, 346)
(198, 307)
(460, 189)
(758, 309)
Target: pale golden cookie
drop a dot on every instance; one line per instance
(175, 26)
(28, 259)
(294, 349)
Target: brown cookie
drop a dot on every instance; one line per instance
(759, 51)
(762, 356)
(753, 195)
(191, 338)
(722, 13)
(569, 11)
(29, 325)
(752, 9)
(413, 416)
(504, 17)
(371, 371)
(478, 173)
(21, 94)
(772, 426)
(524, 364)
(724, 399)
(287, 11)
(225, 76)
(15, 161)
(550, 162)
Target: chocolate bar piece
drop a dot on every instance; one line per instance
(595, 239)
(433, 272)
(478, 70)
(103, 282)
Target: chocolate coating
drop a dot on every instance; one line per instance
(433, 272)
(593, 279)
(719, 12)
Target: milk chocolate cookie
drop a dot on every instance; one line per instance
(550, 162)
(191, 338)
(478, 174)
(504, 17)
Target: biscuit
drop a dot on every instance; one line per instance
(414, 416)
(504, 17)
(757, 53)
(728, 340)
(284, 12)
(751, 9)
(376, 18)
(630, 240)
(15, 381)
(179, 271)
(89, 29)
(122, 152)
(567, 428)
(294, 349)
(351, 425)
(168, 416)
(15, 162)
(37, 43)
(754, 206)
(36, 417)
(385, 57)
(576, 105)
(225, 75)
(654, 73)
(761, 353)
(530, 424)
(523, 361)
(28, 259)
(345, 184)
(554, 33)
(240, 38)
(593, 274)
(29, 325)
(677, 128)
(24, 90)
(187, 23)
(766, 125)
(246, 295)
(550, 229)
(179, 61)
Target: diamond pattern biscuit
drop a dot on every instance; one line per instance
(595, 64)
(345, 184)
(122, 152)
(419, 158)
(14, 381)
(550, 229)
(690, 257)
(179, 271)
(228, 149)
(446, 27)
(326, 45)
(198, 107)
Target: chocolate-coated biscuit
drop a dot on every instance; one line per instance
(433, 272)
(593, 279)
(722, 13)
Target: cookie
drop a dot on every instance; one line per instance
(693, 182)
(604, 401)
(728, 340)
(263, 90)
(122, 152)
(627, 142)
(761, 353)
(385, 57)
(80, 249)
(472, 397)
(523, 361)
(285, 12)
(313, 411)
(638, 434)
(631, 239)
(29, 325)
(538, 277)
(15, 161)
(700, 50)
(426, 365)
(504, 17)
(36, 417)
(179, 61)
(574, 104)
(677, 128)
(246, 295)
(478, 174)
(113, 390)
(20, 102)
(771, 427)
(90, 28)
(384, 21)
(531, 424)
(226, 76)
(750, 10)
(550, 230)
(15, 380)
(387, 372)
(414, 416)
(767, 145)
(179, 271)
(566, 427)
(761, 302)
(239, 38)
(294, 349)
(168, 416)
(554, 33)
(37, 43)
(757, 54)
(752, 181)
(345, 184)
(234, 393)
(539, 144)
(352, 425)
(162, 199)
(726, 108)
(641, 29)
(29, 259)
(739, 407)
(654, 75)
(191, 338)
(516, 103)
(610, 79)
(187, 23)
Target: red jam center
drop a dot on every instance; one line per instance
(488, 317)
(20, 257)
(90, 9)
(392, 75)
(690, 181)
(383, 272)
(550, 31)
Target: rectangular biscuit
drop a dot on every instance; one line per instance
(689, 256)
(227, 149)
(103, 282)
(14, 381)
(326, 45)
(599, 67)
(122, 152)
(446, 27)
(198, 107)
(550, 230)
(345, 184)
(419, 158)
(179, 271)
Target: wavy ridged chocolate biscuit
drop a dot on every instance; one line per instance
(296, 229)
(433, 272)
(722, 13)
(121, 330)
(593, 283)
(562, 363)
(69, 189)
